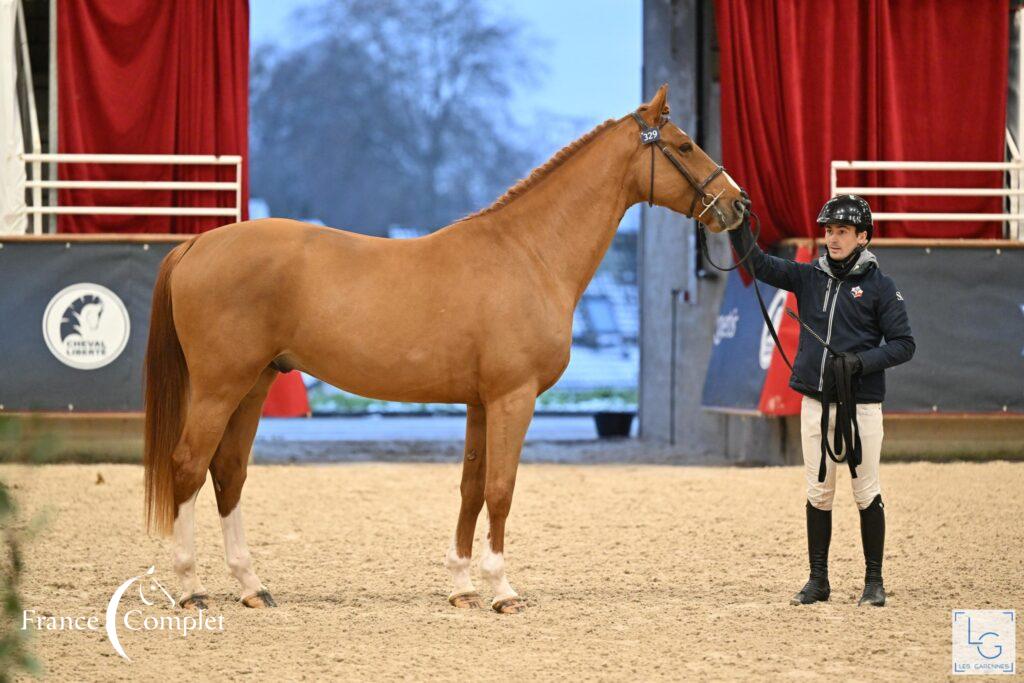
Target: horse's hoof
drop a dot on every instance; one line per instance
(196, 601)
(513, 605)
(259, 600)
(470, 600)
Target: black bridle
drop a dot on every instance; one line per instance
(651, 137)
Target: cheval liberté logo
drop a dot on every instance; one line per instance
(86, 326)
(133, 619)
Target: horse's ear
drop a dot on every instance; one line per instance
(653, 110)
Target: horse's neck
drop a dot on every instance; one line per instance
(566, 223)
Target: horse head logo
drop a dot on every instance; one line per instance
(82, 317)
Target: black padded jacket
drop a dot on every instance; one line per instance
(863, 313)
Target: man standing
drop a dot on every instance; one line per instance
(849, 303)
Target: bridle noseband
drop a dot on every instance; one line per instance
(651, 137)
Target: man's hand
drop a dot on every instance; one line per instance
(853, 361)
(847, 363)
(742, 224)
(740, 236)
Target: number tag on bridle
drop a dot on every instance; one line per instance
(650, 135)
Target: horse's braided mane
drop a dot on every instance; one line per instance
(539, 173)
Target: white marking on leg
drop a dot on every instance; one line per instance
(184, 559)
(459, 567)
(492, 566)
(237, 553)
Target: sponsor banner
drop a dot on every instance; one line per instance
(743, 374)
(74, 317)
(776, 397)
(739, 360)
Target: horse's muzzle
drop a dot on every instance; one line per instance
(741, 207)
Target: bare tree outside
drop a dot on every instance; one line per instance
(392, 114)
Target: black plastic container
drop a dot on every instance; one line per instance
(613, 423)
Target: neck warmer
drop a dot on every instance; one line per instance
(841, 268)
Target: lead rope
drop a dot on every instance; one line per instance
(844, 384)
(703, 240)
(846, 439)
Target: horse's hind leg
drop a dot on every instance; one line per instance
(228, 470)
(193, 594)
(214, 394)
(208, 414)
(473, 469)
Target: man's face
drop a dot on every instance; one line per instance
(841, 240)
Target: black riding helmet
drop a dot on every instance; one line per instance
(848, 209)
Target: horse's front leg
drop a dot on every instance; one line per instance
(508, 418)
(473, 467)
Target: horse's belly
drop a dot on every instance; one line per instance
(410, 376)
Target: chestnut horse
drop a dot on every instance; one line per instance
(479, 312)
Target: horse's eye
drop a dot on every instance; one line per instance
(685, 147)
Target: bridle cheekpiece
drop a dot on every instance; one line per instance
(651, 136)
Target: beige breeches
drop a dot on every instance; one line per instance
(866, 485)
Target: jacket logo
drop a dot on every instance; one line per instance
(857, 292)
(899, 296)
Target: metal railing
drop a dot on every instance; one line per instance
(30, 97)
(37, 210)
(35, 159)
(1013, 169)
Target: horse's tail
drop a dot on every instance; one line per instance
(165, 395)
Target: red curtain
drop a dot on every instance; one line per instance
(805, 82)
(152, 77)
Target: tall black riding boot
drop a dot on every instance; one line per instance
(872, 534)
(819, 535)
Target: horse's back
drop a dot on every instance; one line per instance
(277, 284)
